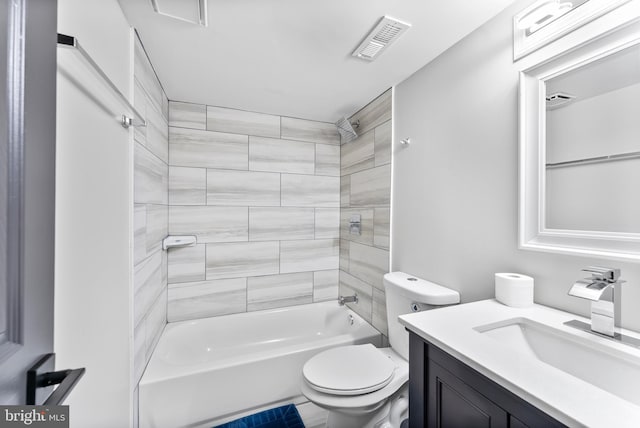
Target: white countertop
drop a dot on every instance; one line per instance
(569, 399)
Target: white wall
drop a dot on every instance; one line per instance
(455, 187)
(93, 224)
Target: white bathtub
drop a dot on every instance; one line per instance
(205, 371)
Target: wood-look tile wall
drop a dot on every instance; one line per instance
(365, 189)
(262, 194)
(151, 211)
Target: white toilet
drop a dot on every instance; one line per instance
(363, 386)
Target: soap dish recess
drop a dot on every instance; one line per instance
(176, 241)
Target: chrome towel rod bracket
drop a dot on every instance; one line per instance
(131, 117)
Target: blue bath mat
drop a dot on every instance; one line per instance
(280, 417)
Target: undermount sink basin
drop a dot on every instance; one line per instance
(589, 360)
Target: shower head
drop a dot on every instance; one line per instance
(345, 128)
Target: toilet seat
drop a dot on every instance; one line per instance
(362, 402)
(349, 370)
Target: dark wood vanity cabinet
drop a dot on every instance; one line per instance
(446, 393)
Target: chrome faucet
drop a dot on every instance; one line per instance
(348, 299)
(604, 289)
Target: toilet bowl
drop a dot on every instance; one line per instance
(363, 386)
(360, 397)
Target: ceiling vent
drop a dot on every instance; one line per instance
(193, 11)
(386, 32)
(558, 100)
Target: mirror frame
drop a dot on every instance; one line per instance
(532, 232)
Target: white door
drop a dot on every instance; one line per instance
(27, 189)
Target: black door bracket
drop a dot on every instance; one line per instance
(38, 379)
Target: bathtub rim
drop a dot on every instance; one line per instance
(156, 370)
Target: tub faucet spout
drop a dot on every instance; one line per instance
(348, 299)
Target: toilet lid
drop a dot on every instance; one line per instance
(349, 370)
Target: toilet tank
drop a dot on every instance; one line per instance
(405, 294)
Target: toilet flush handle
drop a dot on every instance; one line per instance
(417, 307)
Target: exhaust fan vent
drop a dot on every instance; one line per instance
(558, 100)
(386, 32)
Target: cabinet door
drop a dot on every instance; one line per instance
(516, 423)
(453, 404)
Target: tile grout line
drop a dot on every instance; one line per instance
(200, 166)
(271, 136)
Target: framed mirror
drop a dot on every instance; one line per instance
(580, 150)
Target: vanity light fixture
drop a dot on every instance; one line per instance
(542, 13)
(193, 11)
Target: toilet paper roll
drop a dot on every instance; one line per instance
(514, 289)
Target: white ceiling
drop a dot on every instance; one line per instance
(293, 57)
